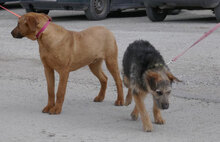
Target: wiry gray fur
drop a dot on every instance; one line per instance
(139, 57)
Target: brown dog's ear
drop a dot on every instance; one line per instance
(48, 17)
(172, 77)
(32, 23)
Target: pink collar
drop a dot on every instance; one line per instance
(42, 29)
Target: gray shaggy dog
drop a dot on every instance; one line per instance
(144, 71)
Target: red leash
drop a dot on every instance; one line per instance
(200, 39)
(10, 11)
(38, 34)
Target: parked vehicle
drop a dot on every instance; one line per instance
(157, 9)
(3, 1)
(94, 9)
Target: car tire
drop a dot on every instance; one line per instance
(156, 14)
(217, 13)
(98, 9)
(38, 11)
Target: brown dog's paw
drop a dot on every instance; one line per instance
(47, 109)
(160, 121)
(98, 99)
(55, 110)
(119, 102)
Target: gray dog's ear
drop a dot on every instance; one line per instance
(152, 78)
(172, 77)
(32, 23)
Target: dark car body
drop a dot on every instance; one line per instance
(85, 5)
(79, 4)
(157, 7)
(3, 1)
(184, 3)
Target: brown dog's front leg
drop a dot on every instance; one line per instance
(60, 93)
(49, 73)
(139, 101)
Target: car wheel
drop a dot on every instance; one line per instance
(38, 11)
(217, 13)
(156, 14)
(97, 10)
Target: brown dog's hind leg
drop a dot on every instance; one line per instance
(96, 69)
(49, 73)
(139, 101)
(157, 115)
(112, 65)
(60, 93)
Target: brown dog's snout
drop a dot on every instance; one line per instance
(16, 34)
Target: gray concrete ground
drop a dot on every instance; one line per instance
(194, 114)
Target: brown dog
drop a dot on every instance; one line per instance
(65, 51)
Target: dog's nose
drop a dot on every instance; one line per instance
(12, 33)
(16, 35)
(165, 105)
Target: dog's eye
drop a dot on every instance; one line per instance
(159, 93)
